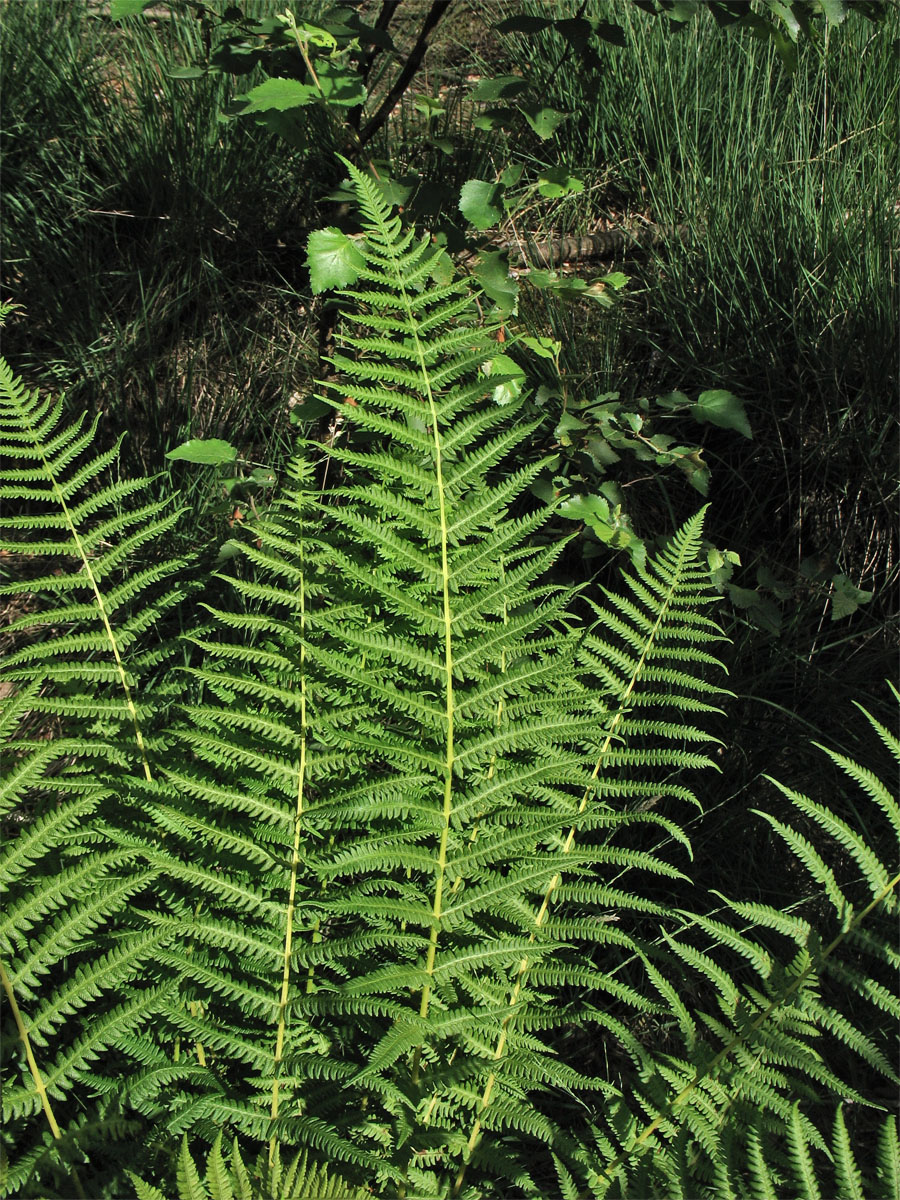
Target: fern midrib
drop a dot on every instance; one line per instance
(33, 1067)
(448, 689)
(474, 835)
(295, 867)
(39, 1084)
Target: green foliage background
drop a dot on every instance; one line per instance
(160, 255)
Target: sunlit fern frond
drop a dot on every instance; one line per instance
(238, 806)
(79, 723)
(91, 581)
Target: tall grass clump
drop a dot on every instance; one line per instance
(788, 183)
(784, 290)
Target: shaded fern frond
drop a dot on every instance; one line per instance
(757, 1163)
(732, 1098)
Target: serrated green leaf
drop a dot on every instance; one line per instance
(583, 508)
(544, 121)
(835, 11)
(341, 85)
(724, 409)
(846, 597)
(333, 258)
(761, 611)
(127, 8)
(682, 10)
(673, 400)
(543, 347)
(317, 35)
(503, 87)
(278, 94)
(697, 474)
(556, 182)
(494, 118)
(601, 453)
(481, 202)
(511, 387)
(743, 597)
(523, 24)
(786, 49)
(609, 32)
(568, 423)
(492, 272)
(395, 193)
(575, 30)
(217, 1174)
(144, 1191)
(429, 106)
(187, 1176)
(311, 408)
(208, 452)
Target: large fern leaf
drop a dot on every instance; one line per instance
(404, 776)
(79, 725)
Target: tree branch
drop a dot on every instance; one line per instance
(412, 64)
(388, 8)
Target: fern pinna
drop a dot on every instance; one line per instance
(80, 723)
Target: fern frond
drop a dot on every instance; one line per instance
(72, 945)
(403, 781)
(770, 1032)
